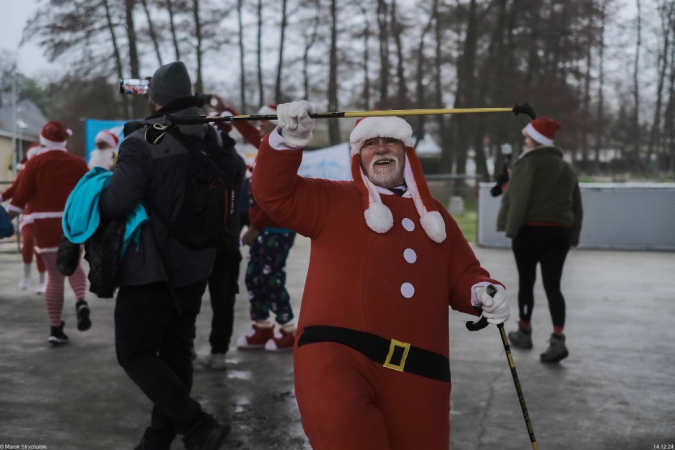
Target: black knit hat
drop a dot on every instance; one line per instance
(170, 82)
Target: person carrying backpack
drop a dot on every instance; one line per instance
(162, 280)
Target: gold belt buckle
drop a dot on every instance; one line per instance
(392, 346)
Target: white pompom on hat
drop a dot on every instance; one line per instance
(378, 217)
(269, 110)
(54, 134)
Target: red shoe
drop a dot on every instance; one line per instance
(282, 341)
(257, 339)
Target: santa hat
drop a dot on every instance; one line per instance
(542, 129)
(269, 109)
(378, 216)
(54, 134)
(108, 137)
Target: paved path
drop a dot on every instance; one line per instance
(615, 391)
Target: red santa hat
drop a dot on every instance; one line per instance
(378, 216)
(108, 137)
(54, 135)
(542, 129)
(270, 109)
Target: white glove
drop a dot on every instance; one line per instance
(495, 309)
(296, 125)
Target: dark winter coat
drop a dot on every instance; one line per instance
(157, 176)
(543, 188)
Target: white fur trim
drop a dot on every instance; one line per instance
(43, 215)
(46, 250)
(434, 226)
(278, 142)
(371, 127)
(378, 217)
(537, 136)
(432, 222)
(16, 209)
(102, 136)
(51, 144)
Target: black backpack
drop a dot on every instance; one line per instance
(206, 217)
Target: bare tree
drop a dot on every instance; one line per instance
(383, 24)
(333, 125)
(601, 86)
(261, 88)
(636, 86)
(397, 30)
(242, 68)
(310, 39)
(284, 22)
(172, 24)
(151, 31)
(199, 85)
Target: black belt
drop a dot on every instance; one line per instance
(392, 354)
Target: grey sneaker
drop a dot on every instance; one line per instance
(556, 350)
(521, 338)
(215, 361)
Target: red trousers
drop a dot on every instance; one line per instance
(347, 401)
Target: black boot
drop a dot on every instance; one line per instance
(556, 350)
(83, 312)
(57, 336)
(521, 338)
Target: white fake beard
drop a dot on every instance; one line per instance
(385, 176)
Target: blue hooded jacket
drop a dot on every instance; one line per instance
(81, 216)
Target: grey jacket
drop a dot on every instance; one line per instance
(155, 174)
(542, 188)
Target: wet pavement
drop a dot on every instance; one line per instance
(615, 391)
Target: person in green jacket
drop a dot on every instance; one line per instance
(541, 212)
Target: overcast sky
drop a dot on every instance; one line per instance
(12, 21)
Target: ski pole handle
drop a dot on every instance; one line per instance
(481, 322)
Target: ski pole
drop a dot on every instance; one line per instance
(479, 325)
(519, 108)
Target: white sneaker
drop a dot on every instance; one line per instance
(24, 283)
(41, 289)
(214, 361)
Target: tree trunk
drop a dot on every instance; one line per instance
(137, 103)
(116, 52)
(397, 28)
(384, 49)
(333, 125)
(419, 82)
(277, 86)
(305, 55)
(447, 150)
(242, 68)
(199, 85)
(601, 85)
(151, 29)
(636, 91)
(366, 57)
(261, 87)
(464, 97)
(587, 98)
(666, 24)
(172, 24)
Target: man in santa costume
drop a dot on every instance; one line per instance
(105, 153)
(46, 182)
(371, 358)
(27, 229)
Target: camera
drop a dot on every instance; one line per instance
(134, 86)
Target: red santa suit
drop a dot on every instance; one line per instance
(371, 357)
(46, 183)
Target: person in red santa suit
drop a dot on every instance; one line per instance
(46, 182)
(371, 358)
(27, 230)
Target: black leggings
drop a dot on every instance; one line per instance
(548, 246)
